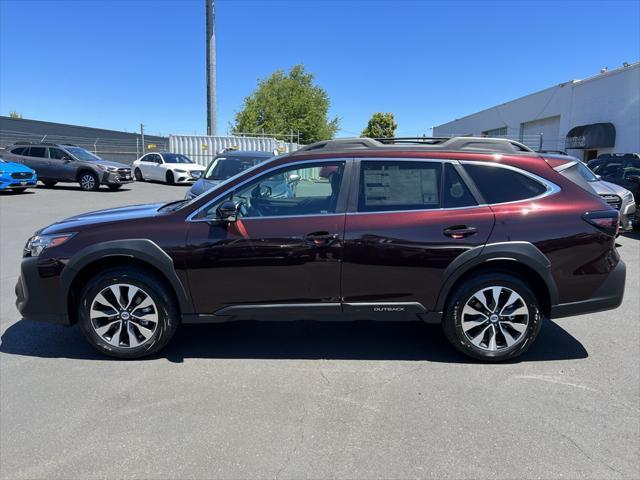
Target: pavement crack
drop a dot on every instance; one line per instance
(296, 447)
(584, 452)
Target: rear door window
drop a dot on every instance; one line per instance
(455, 193)
(500, 185)
(19, 150)
(38, 152)
(399, 185)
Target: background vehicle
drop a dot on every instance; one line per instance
(16, 177)
(229, 164)
(166, 167)
(481, 235)
(621, 169)
(67, 163)
(618, 197)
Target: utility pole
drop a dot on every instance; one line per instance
(142, 138)
(211, 66)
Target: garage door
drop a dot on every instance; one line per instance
(548, 127)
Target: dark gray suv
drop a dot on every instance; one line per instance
(68, 163)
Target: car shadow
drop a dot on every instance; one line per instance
(73, 188)
(635, 234)
(360, 340)
(8, 192)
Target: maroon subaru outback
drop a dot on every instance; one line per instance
(481, 235)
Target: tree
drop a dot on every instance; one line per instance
(285, 103)
(381, 125)
(14, 114)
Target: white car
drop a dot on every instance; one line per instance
(166, 167)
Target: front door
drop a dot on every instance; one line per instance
(61, 166)
(408, 225)
(284, 249)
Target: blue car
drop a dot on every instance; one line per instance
(16, 177)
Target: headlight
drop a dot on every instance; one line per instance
(180, 171)
(37, 244)
(196, 173)
(629, 197)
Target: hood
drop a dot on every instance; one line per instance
(14, 167)
(203, 185)
(109, 163)
(609, 187)
(132, 212)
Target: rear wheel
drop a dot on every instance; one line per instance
(89, 181)
(48, 183)
(127, 313)
(492, 317)
(170, 178)
(138, 174)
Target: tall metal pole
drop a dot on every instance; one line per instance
(142, 138)
(211, 66)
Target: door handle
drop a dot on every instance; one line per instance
(459, 231)
(321, 239)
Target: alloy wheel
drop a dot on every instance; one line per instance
(495, 318)
(87, 182)
(124, 315)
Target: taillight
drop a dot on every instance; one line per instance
(606, 220)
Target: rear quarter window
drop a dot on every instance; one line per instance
(500, 185)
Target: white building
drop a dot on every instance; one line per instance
(585, 118)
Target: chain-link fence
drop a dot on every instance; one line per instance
(116, 149)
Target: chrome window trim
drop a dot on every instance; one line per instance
(193, 214)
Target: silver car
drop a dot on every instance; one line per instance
(618, 197)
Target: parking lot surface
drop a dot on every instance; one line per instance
(309, 400)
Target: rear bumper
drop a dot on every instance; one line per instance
(39, 298)
(607, 297)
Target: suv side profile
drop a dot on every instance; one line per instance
(481, 235)
(55, 163)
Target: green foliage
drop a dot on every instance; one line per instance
(285, 103)
(381, 125)
(15, 114)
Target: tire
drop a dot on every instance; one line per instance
(170, 178)
(494, 337)
(113, 188)
(138, 175)
(48, 183)
(111, 334)
(89, 181)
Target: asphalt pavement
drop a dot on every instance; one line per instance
(362, 400)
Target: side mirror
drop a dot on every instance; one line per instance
(599, 177)
(228, 211)
(294, 178)
(67, 159)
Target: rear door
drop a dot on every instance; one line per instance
(36, 158)
(409, 220)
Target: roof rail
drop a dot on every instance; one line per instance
(449, 144)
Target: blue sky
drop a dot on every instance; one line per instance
(114, 64)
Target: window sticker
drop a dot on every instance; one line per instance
(395, 186)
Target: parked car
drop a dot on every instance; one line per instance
(481, 235)
(226, 165)
(166, 167)
(55, 163)
(622, 169)
(16, 177)
(618, 197)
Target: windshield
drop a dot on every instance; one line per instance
(176, 158)
(82, 154)
(226, 167)
(586, 173)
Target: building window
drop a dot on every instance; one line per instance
(495, 132)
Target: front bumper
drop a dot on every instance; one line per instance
(114, 178)
(40, 297)
(607, 297)
(7, 183)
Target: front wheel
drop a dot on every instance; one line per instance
(89, 181)
(127, 313)
(138, 175)
(492, 317)
(170, 178)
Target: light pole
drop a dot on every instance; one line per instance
(211, 66)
